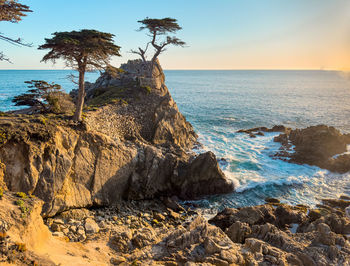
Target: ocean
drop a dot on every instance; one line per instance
(218, 103)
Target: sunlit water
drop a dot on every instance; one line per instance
(218, 103)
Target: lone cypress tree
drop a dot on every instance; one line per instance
(157, 28)
(12, 11)
(84, 50)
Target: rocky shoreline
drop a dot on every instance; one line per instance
(109, 190)
(151, 233)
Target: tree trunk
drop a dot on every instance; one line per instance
(81, 96)
(153, 61)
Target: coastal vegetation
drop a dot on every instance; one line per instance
(158, 28)
(84, 50)
(45, 97)
(122, 178)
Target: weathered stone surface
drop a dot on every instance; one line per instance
(144, 237)
(238, 232)
(316, 145)
(250, 215)
(91, 227)
(203, 177)
(319, 239)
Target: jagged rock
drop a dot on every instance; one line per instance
(286, 215)
(336, 203)
(144, 237)
(173, 205)
(3, 226)
(204, 177)
(272, 200)
(203, 243)
(158, 216)
(325, 236)
(347, 211)
(238, 232)
(121, 241)
(317, 145)
(117, 260)
(250, 215)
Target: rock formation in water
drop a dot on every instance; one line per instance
(134, 144)
(323, 146)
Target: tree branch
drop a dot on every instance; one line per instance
(15, 41)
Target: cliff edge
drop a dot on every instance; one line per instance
(133, 144)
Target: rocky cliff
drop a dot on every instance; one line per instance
(133, 144)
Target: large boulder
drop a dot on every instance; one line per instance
(201, 177)
(316, 145)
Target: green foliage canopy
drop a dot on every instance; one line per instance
(156, 28)
(83, 50)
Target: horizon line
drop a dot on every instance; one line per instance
(196, 69)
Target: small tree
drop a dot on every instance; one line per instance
(43, 95)
(84, 50)
(12, 11)
(156, 28)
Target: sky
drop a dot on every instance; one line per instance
(220, 34)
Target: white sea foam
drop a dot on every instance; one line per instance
(250, 165)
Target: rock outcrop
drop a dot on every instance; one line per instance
(134, 144)
(289, 235)
(259, 131)
(321, 145)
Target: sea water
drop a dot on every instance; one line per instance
(218, 103)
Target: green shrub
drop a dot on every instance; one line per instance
(104, 96)
(21, 195)
(148, 89)
(114, 71)
(47, 97)
(23, 207)
(20, 203)
(60, 103)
